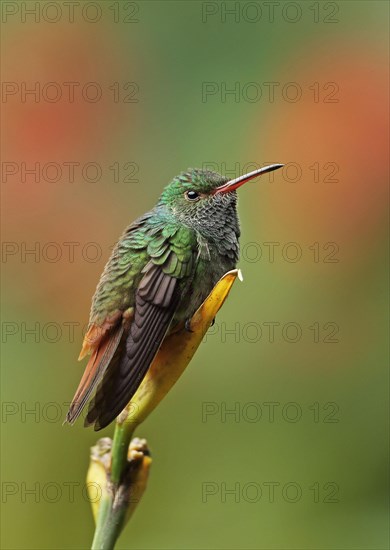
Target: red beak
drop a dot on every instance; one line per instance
(237, 182)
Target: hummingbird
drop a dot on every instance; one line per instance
(163, 267)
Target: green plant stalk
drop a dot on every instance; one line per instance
(108, 532)
(111, 517)
(104, 512)
(120, 446)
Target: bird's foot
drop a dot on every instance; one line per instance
(187, 325)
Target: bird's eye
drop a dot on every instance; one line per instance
(192, 195)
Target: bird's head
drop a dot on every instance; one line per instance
(198, 196)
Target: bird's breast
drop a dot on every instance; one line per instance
(210, 266)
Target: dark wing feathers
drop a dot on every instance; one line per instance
(95, 404)
(155, 304)
(121, 367)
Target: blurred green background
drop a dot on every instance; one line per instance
(324, 375)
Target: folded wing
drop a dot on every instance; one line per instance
(155, 304)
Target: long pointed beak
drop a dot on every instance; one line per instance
(237, 182)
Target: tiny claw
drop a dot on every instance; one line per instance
(187, 325)
(212, 322)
